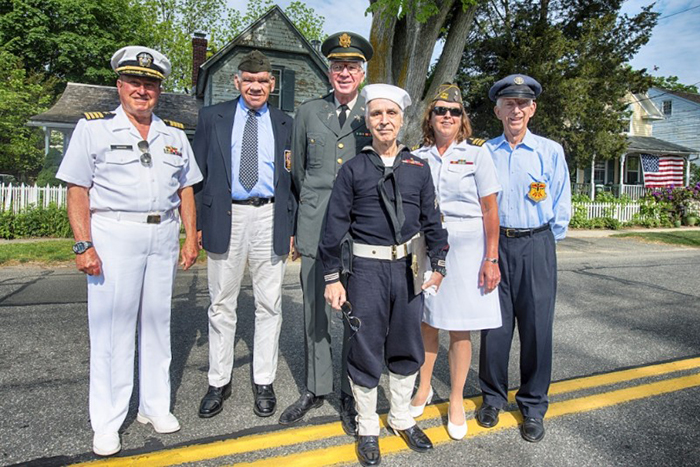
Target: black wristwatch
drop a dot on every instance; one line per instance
(81, 247)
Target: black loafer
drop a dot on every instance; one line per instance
(348, 415)
(213, 400)
(415, 438)
(298, 409)
(367, 449)
(265, 400)
(487, 416)
(532, 429)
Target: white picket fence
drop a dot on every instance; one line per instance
(621, 213)
(18, 198)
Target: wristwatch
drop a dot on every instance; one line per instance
(491, 260)
(81, 247)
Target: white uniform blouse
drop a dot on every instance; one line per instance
(103, 155)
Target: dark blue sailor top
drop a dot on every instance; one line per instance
(358, 206)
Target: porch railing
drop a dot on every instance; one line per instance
(633, 191)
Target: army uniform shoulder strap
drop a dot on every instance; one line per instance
(98, 115)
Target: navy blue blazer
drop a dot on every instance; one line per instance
(212, 151)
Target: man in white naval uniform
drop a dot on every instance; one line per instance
(128, 172)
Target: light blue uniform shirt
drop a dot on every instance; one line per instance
(534, 160)
(265, 188)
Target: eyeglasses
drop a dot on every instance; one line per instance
(353, 321)
(145, 156)
(454, 111)
(353, 68)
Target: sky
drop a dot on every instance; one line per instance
(673, 50)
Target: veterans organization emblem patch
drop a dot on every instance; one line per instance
(537, 191)
(288, 160)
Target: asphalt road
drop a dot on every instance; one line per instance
(621, 304)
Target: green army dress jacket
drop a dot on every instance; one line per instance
(319, 148)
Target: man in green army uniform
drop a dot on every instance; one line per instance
(328, 132)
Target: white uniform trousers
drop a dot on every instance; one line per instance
(251, 243)
(400, 392)
(135, 288)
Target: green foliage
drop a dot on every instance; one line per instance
(48, 251)
(578, 51)
(51, 221)
(22, 94)
(422, 11)
(72, 40)
(671, 83)
(47, 176)
(173, 23)
(580, 220)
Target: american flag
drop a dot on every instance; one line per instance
(662, 170)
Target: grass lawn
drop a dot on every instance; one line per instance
(47, 252)
(687, 238)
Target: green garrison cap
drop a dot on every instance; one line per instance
(255, 62)
(347, 46)
(448, 92)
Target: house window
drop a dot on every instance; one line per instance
(599, 172)
(632, 170)
(668, 107)
(276, 95)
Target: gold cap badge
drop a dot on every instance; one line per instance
(345, 41)
(518, 80)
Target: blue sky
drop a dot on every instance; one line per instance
(674, 48)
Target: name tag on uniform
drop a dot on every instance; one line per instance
(537, 192)
(172, 150)
(121, 147)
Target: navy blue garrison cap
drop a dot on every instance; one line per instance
(518, 86)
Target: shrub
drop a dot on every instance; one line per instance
(51, 221)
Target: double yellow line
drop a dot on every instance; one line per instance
(346, 452)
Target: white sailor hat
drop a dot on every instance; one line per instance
(141, 61)
(387, 91)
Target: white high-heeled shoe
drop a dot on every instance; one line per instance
(456, 432)
(417, 410)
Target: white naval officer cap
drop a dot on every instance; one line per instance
(387, 91)
(141, 61)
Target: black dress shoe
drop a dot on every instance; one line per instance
(213, 400)
(265, 400)
(415, 438)
(348, 415)
(487, 416)
(297, 410)
(532, 429)
(367, 449)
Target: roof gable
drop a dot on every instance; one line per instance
(688, 96)
(254, 36)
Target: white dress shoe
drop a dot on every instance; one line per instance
(106, 444)
(165, 424)
(456, 432)
(417, 410)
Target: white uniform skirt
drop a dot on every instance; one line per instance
(460, 304)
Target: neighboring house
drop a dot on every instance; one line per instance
(681, 117)
(649, 160)
(79, 98)
(299, 68)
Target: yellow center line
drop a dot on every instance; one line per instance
(290, 437)
(388, 445)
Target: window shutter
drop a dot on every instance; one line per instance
(288, 90)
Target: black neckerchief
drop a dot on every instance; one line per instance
(395, 209)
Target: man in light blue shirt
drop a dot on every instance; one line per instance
(534, 209)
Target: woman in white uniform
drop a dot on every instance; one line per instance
(465, 180)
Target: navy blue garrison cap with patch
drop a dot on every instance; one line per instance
(517, 86)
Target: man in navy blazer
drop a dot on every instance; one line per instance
(245, 216)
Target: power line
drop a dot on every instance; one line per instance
(679, 12)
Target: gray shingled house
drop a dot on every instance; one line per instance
(299, 68)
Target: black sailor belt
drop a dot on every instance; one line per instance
(257, 202)
(517, 233)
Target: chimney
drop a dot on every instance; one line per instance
(199, 56)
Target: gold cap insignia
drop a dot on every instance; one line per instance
(444, 95)
(145, 59)
(518, 80)
(345, 40)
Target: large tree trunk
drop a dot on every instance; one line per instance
(403, 49)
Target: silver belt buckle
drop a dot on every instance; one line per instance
(393, 252)
(153, 219)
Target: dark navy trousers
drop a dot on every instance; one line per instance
(381, 295)
(527, 294)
